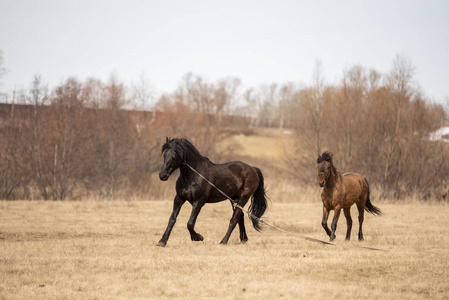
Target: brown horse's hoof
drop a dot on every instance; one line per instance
(162, 244)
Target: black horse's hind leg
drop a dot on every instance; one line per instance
(243, 236)
(232, 223)
(171, 222)
(347, 212)
(196, 208)
(361, 210)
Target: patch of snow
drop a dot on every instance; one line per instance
(440, 134)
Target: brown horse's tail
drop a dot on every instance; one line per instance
(369, 207)
(258, 202)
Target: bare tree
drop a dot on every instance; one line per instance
(287, 105)
(400, 92)
(35, 140)
(66, 115)
(313, 104)
(143, 94)
(12, 170)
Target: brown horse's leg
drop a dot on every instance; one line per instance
(361, 210)
(232, 224)
(324, 221)
(243, 236)
(347, 212)
(196, 208)
(334, 222)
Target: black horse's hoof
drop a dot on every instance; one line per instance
(223, 243)
(197, 238)
(162, 244)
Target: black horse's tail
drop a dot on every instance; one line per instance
(258, 202)
(369, 207)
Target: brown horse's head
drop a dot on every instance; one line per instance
(325, 167)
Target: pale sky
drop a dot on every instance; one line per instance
(259, 42)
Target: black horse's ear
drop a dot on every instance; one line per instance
(167, 139)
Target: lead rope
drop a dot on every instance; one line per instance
(234, 203)
(310, 239)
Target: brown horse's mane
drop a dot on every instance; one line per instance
(327, 156)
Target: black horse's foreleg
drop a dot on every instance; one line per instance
(347, 212)
(334, 223)
(324, 221)
(196, 208)
(232, 224)
(171, 222)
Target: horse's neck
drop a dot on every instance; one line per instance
(333, 180)
(193, 159)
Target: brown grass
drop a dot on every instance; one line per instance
(91, 249)
(96, 250)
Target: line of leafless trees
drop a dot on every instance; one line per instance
(377, 125)
(100, 139)
(96, 139)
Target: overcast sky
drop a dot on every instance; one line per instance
(256, 41)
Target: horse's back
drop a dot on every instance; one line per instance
(235, 178)
(355, 187)
(238, 168)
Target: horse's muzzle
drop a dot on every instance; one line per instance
(163, 177)
(321, 180)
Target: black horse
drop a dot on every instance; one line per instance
(237, 180)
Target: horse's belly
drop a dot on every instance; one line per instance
(189, 192)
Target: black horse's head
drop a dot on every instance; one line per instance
(325, 167)
(173, 152)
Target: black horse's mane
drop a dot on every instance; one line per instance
(178, 145)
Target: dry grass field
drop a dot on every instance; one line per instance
(107, 249)
(98, 250)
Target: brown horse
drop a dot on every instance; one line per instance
(341, 192)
